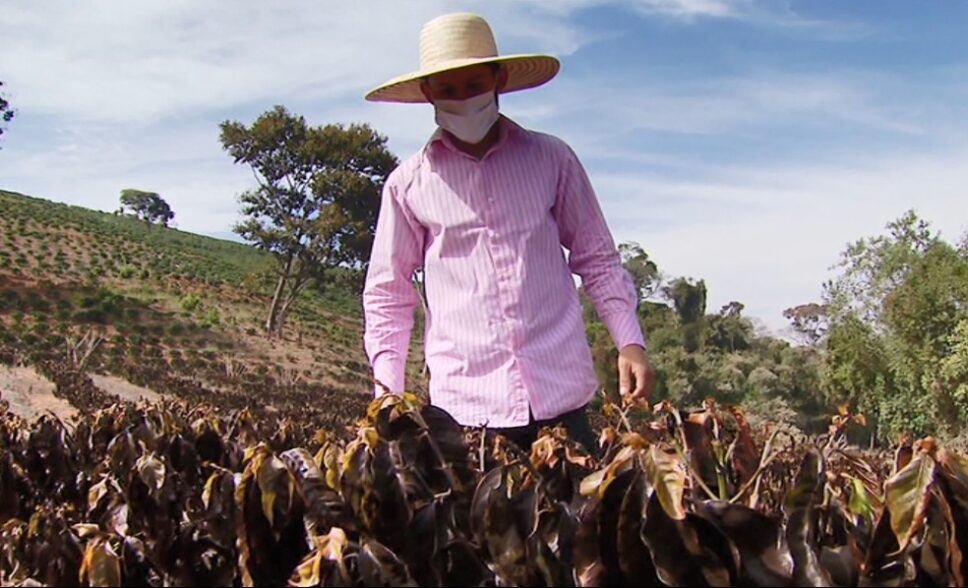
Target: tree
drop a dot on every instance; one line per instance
(6, 112)
(688, 298)
(643, 271)
(895, 313)
(148, 206)
(317, 199)
(730, 330)
(809, 320)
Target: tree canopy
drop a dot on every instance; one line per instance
(6, 112)
(316, 201)
(716, 355)
(148, 206)
(898, 316)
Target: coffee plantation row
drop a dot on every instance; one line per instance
(190, 493)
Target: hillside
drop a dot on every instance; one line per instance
(175, 312)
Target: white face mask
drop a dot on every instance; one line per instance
(468, 120)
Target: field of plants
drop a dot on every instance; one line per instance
(163, 306)
(193, 494)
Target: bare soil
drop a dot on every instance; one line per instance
(31, 395)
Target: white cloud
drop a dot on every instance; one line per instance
(768, 238)
(135, 62)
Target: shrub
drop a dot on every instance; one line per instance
(210, 318)
(190, 302)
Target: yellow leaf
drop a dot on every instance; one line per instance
(666, 474)
(273, 478)
(907, 494)
(596, 483)
(100, 565)
(151, 470)
(307, 572)
(97, 492)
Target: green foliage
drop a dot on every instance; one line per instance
(81, 236)
(6, 112)
(698, 355)
(148, 206)
(190, 302)
(643, 271)
(210, 319)
(317, 200)
(895, 345)
(688, 298)
(954, 369)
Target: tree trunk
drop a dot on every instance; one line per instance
(297, 287)
(271, 320)
(419, 285)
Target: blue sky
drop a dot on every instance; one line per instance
(743, 142)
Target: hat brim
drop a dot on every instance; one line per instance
(524, 71)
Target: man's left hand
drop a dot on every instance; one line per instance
(636, 378)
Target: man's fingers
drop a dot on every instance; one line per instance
(641, 380)
(624, 377)
(644, 382)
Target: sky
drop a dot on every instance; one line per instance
(741, 142)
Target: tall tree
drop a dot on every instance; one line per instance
(729, 330)
(809, 320)
(6, 112)
(643, 271)
(148, 206)
(895, 316)
(316, 201)
(689, 299)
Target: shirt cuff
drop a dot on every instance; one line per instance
(390, 372)
(625, 329)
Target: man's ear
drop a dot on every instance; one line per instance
(425, 89)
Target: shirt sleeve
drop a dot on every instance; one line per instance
(389, 297)
(592, 253)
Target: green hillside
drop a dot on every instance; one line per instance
(177, 312)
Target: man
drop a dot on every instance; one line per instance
(486, 208)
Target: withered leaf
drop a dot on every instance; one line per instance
(907, 494)
(666, 474)
(679, 556)
(765, 559)
(101, 565)
(799, 506)
(381, 567)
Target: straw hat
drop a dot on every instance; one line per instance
(459, 40)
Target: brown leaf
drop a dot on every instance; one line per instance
(907, 495)
(764, 557)
(679, 556)
(326, 564)
(665, 472)
(800, 506)
(381, 567)
(101, 565)
(745, 457)
(634, 558)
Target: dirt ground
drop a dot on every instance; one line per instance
(31, 395)
(124, 389)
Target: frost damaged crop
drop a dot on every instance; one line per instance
(166, 495)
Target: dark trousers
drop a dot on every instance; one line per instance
(576, 421)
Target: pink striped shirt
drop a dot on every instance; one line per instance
(504, 329)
